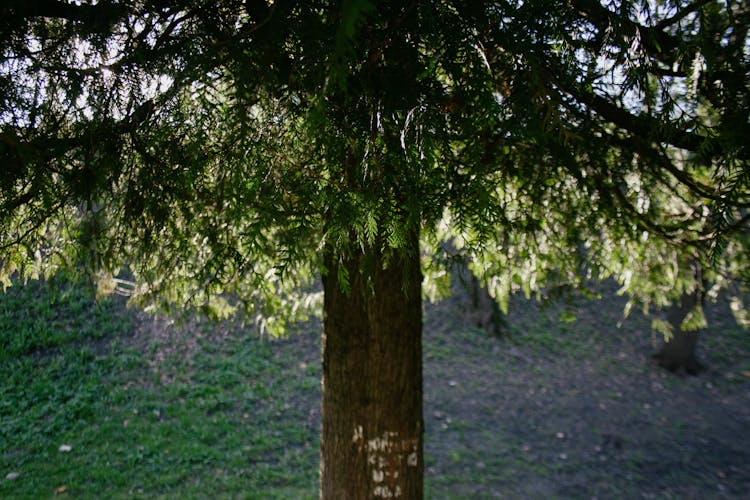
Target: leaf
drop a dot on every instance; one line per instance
(371, 227)
(343, 277)
(695, 320)
(663, 327)
(739, 311)
(504, 300)
(567, 316)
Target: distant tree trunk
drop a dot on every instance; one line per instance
(372, 424)
(678, 354)
(479, 309)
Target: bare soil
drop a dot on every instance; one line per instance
(557, 409)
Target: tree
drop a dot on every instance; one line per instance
(226, 153)
(678, 280)
(678, 351)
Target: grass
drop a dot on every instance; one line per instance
(553, 328)
(224, 420)
(196, 410)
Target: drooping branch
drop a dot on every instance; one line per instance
(681, 14)
(655, 41)
(642, 125)
(41, 150)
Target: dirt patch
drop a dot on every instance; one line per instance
(576, 410)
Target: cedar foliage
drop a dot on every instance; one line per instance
(215, 149)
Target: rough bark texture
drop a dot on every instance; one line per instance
(372, 424)
(678, 355)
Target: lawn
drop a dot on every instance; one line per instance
(95, 405)
(101, 401)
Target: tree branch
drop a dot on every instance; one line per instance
(682, 14)
(643, 126)
(657, 43)
(42, 149)
(96, 16)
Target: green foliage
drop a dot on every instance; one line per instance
(215, 152)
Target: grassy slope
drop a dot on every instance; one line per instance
(195, 410)
(146, 416)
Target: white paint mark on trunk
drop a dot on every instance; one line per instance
(358, 434)
(386, 456)
(382, 491)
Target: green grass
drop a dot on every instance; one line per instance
(37, 317)
(199, 410)
(224, 421)
(549, 332)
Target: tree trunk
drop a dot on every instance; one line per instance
(678, 354)
(479, 309)
(372, 424)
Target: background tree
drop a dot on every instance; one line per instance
(227, 153)
(657, 263)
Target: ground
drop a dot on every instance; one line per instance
(560, 409)
(552, 409)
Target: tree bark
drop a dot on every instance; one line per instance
(678, 354)
(372, 424)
